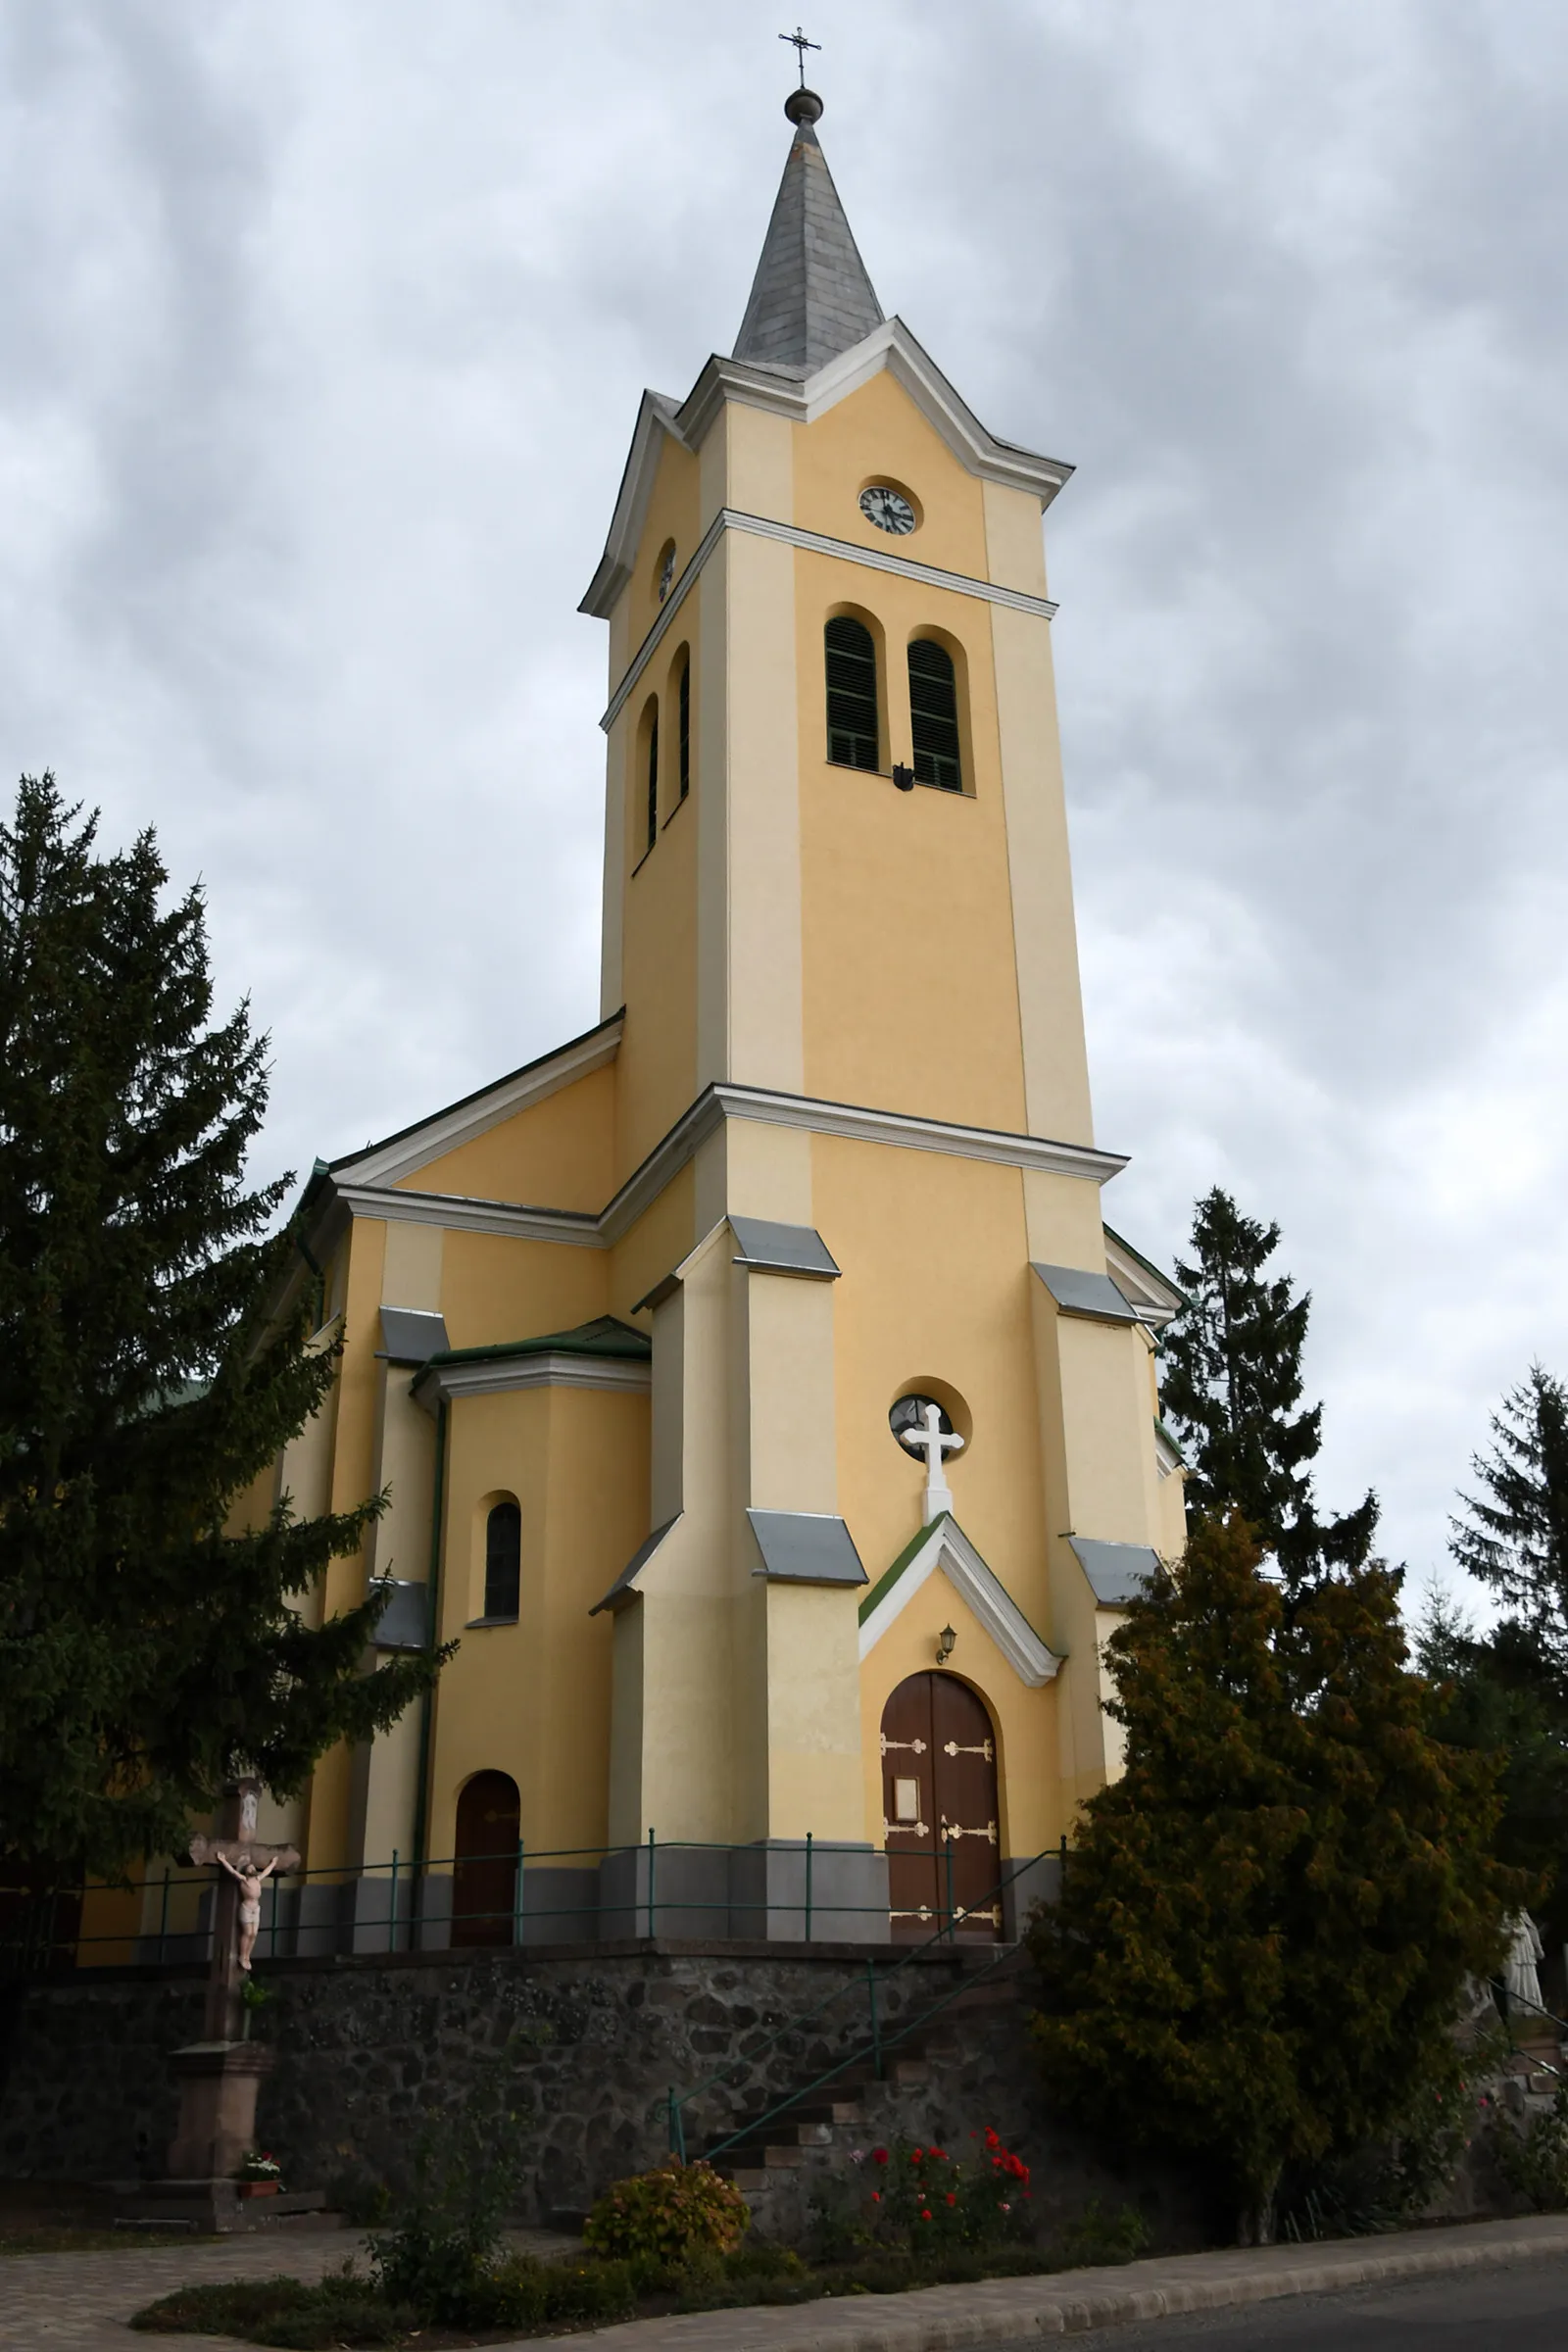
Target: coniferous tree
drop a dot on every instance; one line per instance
(1267, 1922)
(145, 1653)
(1514, 1536)
(1507, 1691)
(1230, 1383)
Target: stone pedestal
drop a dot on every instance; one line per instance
(218, 2085)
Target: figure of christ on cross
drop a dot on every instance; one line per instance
(928, 1436)
(246, 1864)
(250, 1882)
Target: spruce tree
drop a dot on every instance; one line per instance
(1267, 1922)
(146, 1380)
(1505, 1691)
(1514, 1536)
(1230, 1383)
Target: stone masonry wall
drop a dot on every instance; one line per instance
(588, 2041)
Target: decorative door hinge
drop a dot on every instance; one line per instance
(916, 1746)
(985, 1750)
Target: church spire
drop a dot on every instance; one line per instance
(810, 298)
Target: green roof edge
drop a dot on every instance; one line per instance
(890, 1576)
(606, 1335)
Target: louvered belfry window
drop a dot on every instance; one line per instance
(853, 738)
(502, 1560)
(653, 776)
(684, 698)
(934, 715)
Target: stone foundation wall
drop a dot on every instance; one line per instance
(587, 2043)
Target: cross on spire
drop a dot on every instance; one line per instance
(935, 1443)
(800, 44)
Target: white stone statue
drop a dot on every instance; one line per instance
(1519, 1970)
(248, 1921)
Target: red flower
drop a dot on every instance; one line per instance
(879, 2155)
(916, 2155)
(876, 2196)
(992, 2138)
(925, 2213)
(937, 2155)
(952, 2199)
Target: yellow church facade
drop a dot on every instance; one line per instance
(757, 1389)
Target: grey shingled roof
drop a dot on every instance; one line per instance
(810, 298)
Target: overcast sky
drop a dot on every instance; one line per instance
(321, 336)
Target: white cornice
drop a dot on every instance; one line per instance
(582, 1229)
(859, 1125)
(817, 542)
(513, 1220)
(948, 1548)
(1151, 1296)
(656, 417)
(450, 1382)
(889, 347)
(404, 1154)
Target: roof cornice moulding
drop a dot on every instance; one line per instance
(449, 1384)
(817, 542)
(583, 1229)
(945, 1546)
(802, 398)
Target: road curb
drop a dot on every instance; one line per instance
(996, 2311)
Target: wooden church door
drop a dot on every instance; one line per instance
(940, 1812)
(484, 1886)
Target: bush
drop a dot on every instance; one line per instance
(669, 2214)
(284, 2312)
(1533, 2158)
(1099, 2236)
(466, 2179)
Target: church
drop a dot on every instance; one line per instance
(765, 1409)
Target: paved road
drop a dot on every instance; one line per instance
(1514, 2310)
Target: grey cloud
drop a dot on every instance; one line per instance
(323, 336)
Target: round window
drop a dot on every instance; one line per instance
(910, 1414)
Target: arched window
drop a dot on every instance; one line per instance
(934, 715)
(853, 736)
(653, 775)
(502, 1560)
(684, 707)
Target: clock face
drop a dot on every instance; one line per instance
(888, 510)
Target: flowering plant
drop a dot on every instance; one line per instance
(920, 2196)
(258, 2165)
(673, 2213)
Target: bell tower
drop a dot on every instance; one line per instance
(836, 856)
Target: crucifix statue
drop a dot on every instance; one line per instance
(244, 1865)
(928, 1436)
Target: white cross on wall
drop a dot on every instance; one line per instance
(935, 1443)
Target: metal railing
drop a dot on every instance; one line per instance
(398, 1907)
(882, 2031)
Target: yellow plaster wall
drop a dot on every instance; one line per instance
(910, 988)
(878, 434)
(658, 1058)
(557, 1154)
(533, 1699)
(677, 1694)
(652, 1247)
(934, 1286)
(352, 1478)
(493, 1287)
(673, 511)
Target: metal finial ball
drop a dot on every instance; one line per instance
(804, 106)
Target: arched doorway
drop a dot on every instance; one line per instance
(485, 1882)
(940, 1812)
